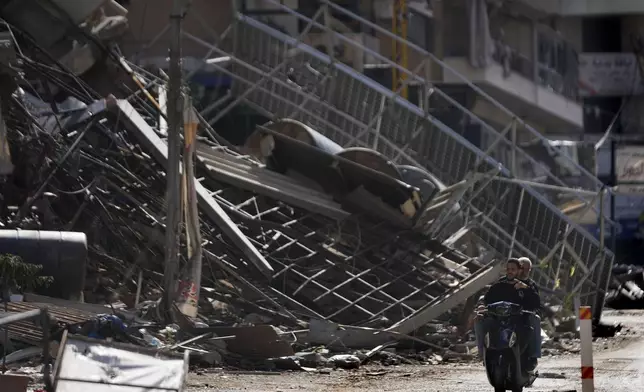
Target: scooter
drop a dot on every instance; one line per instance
(506, 340)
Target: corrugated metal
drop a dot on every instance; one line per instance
(28, 332)
(228, 169)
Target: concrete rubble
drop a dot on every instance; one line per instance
(315, 257)
(627, 288)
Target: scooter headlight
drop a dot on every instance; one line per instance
(486, 340)
(513, 339)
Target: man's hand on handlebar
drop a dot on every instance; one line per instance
(520, 285)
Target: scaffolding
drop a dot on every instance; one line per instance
(505, 212)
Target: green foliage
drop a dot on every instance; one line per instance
(21, 276)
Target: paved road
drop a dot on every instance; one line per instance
(620, 370)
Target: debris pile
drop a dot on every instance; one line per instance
(315, 256)
(626, 289)
(304, 242)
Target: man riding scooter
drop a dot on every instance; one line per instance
(511, 288)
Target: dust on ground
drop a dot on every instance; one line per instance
(367, 378)
(559, 370)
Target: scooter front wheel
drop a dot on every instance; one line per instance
(499, 389)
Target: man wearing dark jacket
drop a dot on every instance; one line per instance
(510, 289)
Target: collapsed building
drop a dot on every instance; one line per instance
(348, 205)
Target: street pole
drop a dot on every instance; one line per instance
(173, 191)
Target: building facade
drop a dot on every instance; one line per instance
(612, 36)
(523, 56)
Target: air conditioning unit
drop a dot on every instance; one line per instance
(352, 54)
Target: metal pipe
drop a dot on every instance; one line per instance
(204, 59)
(31, 200)
(546, 186)
(214, 105)
(381, 111)
(15, 318)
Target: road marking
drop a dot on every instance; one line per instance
(584, 313)
(587, 372)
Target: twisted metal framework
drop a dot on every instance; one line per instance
(108, 171)
(281, 77)
(359, 271)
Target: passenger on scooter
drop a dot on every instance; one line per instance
(510, 289)
(535, 320)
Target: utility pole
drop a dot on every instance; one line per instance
(173, 190)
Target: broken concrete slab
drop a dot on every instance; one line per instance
(259, 342)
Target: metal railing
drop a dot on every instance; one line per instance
(558, 65)
(41, 317)
(508, 136)
(281, 77)
(418, 75)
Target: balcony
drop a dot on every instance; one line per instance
(544, 92)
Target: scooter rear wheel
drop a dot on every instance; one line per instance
(499, 389)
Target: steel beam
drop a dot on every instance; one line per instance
(448, 301)
(146, 136)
